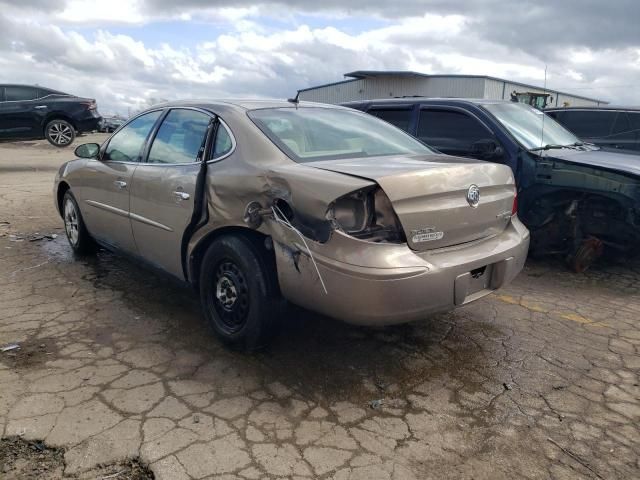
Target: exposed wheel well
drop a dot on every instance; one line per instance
(257, 238)
(58, 116)
(62, 189)
(562, 220)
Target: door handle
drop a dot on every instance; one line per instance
(40, 106)
(120, 183)
(181, 195)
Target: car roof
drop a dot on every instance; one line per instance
(600, 107)
(244, 104)
(32, 86)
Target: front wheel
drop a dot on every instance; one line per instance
(77, 234)
(238, 291)
(59, 133)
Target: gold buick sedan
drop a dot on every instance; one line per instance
(254, 202)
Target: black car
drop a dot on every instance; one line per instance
(609, 127)
(110, 124)
(36, 112)
(575, 198)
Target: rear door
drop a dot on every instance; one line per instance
(19, 112)
(103, 192)
(451, 131)
(164, 187)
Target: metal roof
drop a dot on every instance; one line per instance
(360, 74)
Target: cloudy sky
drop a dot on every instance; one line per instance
(129, 53)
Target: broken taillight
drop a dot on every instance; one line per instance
(366, 215)
(91, 104)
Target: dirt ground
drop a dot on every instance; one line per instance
(537, 381)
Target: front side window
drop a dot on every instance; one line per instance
(16, 94)
(589, 124)
(399, 117)
(126, 145)
(180, 137)
(449, 130)
(529, 126)
(308, 134)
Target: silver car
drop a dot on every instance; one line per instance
(327, 207)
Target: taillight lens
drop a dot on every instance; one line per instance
(514, 208)
(367, 215)
(92, 105)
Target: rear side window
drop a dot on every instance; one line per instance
(180, 137)
(43, 92)
(223, 144)
(399, 117)
(589, 124)
(16, 94)
(126, 145)
(446, 129)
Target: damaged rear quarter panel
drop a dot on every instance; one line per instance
(257, 171)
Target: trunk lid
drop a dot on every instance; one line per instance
(429, 195)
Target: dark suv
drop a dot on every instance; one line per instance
(37, 112)
(608, 127)
(575, 198)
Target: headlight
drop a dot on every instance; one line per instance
(367, 215)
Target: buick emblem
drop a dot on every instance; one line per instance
(473, 196)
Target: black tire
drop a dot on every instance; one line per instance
(59, 133)
(74, 227)
(239, 292)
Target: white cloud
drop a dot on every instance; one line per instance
(255, 58)
(92, 12)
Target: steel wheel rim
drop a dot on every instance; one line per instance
(71, 222)
(60, 133)
(230, 295)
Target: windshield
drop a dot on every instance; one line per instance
(308, 134)
(525, 123)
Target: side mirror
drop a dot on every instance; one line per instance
(87, 150)
(487, 149)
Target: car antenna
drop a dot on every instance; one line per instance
(543, 114)
(295, 100)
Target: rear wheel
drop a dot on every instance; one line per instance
(238, 291)
(59, 133)
(77, 234)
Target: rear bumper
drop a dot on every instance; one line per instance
(406, 285)
(87, 120)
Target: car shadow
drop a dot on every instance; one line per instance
(312, 354)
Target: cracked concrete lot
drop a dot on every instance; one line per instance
(537, 381)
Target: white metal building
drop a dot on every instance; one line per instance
(365, 85)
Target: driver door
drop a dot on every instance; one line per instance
(104, 194)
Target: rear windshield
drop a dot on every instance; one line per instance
(308, 134)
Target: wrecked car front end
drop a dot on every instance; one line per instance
(581, 203)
